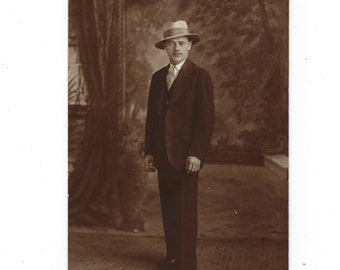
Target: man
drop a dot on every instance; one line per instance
(179, 124)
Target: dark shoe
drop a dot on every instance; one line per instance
(167, 264)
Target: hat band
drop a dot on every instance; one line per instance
(176, 32)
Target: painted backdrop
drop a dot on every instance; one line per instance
(243, 46)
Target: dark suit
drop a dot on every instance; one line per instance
(179, 124)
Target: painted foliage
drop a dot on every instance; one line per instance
(243, 46)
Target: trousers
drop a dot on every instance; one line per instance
(178, 196)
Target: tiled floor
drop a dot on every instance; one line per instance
(243, 224)
(100, 251)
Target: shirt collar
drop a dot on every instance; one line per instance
(178, 66)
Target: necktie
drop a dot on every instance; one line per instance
(170, 77)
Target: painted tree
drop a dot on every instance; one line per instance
(244, 45)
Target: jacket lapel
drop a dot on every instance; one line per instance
(162, 89)
(181, 81)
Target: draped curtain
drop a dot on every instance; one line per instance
(94, 181)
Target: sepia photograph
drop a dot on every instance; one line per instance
(178, 134)
(170, 134)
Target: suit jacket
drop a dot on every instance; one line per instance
(189, 119)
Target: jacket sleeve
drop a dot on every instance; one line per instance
(149, 124)
(204, 116)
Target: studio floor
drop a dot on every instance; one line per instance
(243, 224)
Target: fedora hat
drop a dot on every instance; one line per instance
(177, 29)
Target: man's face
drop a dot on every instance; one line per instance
(177, 49)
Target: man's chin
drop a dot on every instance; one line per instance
(177, 60)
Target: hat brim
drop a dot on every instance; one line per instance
(194, 38)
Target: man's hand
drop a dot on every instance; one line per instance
(193, 164)
(149, 163)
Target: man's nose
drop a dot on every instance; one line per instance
(176, 47)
